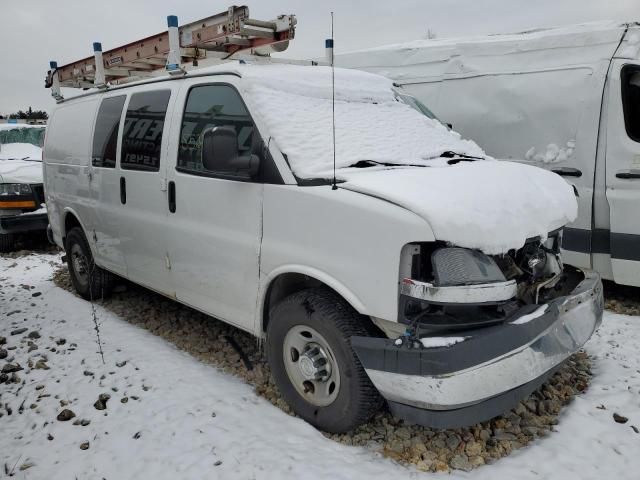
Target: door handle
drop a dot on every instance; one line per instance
(172, 197)
(567, 171)
(123, 191)
(628, 174)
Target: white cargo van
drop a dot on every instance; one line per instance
(404, 264)
(565, 99)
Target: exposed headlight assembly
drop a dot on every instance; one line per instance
(460, 266)
(462, 276)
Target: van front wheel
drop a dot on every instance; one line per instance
(313, 364)
(89, 280)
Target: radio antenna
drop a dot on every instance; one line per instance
(329, 47)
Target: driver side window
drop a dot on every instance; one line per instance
(208, 107)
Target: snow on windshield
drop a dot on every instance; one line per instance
(371, 124)
(20, 151)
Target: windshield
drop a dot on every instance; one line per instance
(371, 122)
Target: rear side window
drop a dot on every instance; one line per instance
(211, 106)
(143, 126)
(105, 136)
(631, 100)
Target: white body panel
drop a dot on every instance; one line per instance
(550, 98)
(67, 165)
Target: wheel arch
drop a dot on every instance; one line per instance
(71, 219)
(287, 280)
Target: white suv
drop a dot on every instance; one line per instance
(427, 274)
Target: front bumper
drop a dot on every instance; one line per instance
(24, 223)
(491, 370)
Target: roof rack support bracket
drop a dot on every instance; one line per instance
(99, 78)
(54, 81)
(173, 57)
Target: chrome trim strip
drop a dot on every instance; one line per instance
(465, 294)
(578, 316)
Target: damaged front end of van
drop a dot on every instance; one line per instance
(481, 332)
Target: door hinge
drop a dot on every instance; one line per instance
(163, 185)
(167, 262)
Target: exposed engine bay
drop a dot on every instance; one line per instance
(444, 288)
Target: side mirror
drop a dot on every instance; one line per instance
(221, 153)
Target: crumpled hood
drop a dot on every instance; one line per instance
(493, 206)
(20, 171)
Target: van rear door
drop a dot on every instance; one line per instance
(105, 195)
(623, 170)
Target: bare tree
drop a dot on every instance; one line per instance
(430, 35)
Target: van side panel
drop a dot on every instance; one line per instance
(67, 157)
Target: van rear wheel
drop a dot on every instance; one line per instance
(89, 280)
(313, 364)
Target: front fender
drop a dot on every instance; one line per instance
(349, 241)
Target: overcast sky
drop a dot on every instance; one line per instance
(32, 32)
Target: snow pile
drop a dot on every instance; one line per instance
(295, 102)
(20, 151)
(435, 342)
(494, 206)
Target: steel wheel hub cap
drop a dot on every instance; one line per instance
(314, 364)
(311, 365)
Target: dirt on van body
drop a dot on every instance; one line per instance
(238, 353)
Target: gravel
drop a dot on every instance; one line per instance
(427, 449)
(622, 299)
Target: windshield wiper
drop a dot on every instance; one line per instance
(374, 163)
(451, 154)
(25, 159)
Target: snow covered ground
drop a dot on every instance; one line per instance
(182, 419)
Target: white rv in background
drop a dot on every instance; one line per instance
(565, 99)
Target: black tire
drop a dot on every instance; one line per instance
(335, 320)
(95, 283)
(7, 242)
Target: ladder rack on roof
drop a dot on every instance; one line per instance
(219, 36)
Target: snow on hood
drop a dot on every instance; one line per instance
(371, 123)
(493, 206)
(14, 169)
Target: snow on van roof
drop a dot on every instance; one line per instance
(371, 123)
